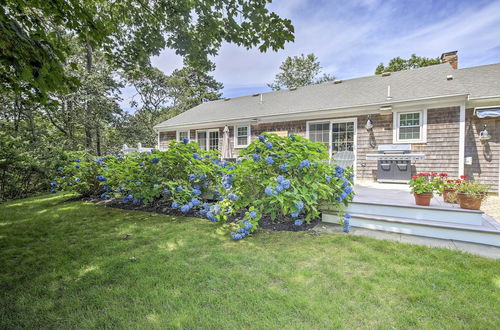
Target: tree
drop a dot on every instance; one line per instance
(159, 97)
(399, 64)
(299, 71)
(34, 43)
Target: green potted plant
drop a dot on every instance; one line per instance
(422, 187)
(448, 187)
(471, 194)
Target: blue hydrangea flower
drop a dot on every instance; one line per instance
(328, 178)
(291, 136)
(305, 163)
(257, 149)
(348, 189)
(284, 167)
(196, 156)
(241, 230)
(185, 141)
(261, 138)
(155, 186)
(269, 145)
(196, 186)
(215, 208)
(278, 189)
(53, 184)
(166, 191)
(236, 236)
(179, 188)
(280, 179)
(298, 223)
(232, 197)
(347, 223)
(77, 160)
(195, 201)
(211, 216)
(59, 169)
(253, 214)
(285, 184)
(175, 205)
(268, 191)
(299, 205)
(136, 201)
(295, 214)
(248, 225)
(197, 192)
(138, 182)
(77, 166)
(185, 208)
(270, 160)
(53, 191)
(343, 195)
(256, 157)
(155, 160)
(203, 212)
(77, 179)
(192, 177)
(70, 183)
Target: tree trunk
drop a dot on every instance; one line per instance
(88, 125)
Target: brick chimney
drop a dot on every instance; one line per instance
(450, 57)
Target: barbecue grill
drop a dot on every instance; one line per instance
(394, 162)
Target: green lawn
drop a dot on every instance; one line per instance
(65, 264)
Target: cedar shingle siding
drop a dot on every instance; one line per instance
(485, 155)
(441, 150)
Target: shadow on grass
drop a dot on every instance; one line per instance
(70, 264)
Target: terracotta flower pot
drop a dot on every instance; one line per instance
(449, 196)
(470, 202)
(423, 199)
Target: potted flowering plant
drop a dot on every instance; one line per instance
(471, 194)
(422, 187)
(447, 187)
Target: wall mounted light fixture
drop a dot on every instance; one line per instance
(369, 123)
(484, 135)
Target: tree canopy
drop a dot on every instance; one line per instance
(399, 64)
(34, 43)
(299, 71)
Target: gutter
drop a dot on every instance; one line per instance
(242, 119)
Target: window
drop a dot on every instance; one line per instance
(320, 132)
(343, 136)
(208, 139)
(181, 135)
(410, 126)
(213, 140)
(242, 136)
(201, 137)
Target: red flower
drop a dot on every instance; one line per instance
(463, 177)
(414, 177)
(443, 174)
(434, 174)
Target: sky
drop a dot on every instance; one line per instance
(350, 38)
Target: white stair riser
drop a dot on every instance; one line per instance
(420, 230)
(450, 215)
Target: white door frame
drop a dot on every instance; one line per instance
(330, 135)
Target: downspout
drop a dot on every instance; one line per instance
(461, 142)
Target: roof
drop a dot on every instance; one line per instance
(421, 83)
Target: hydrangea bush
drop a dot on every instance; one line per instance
(285, 178)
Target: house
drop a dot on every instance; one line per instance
(441, 111)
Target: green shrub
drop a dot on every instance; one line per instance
(282, 178)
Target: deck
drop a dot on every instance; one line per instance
(391, 207)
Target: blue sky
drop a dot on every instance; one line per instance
(351, 38)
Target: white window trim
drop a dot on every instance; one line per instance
(235, 135)
(177, 133)
(395, 127)
(207, 142)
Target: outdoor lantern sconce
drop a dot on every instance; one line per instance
(484, 135)
(369, 123)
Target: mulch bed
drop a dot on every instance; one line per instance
(286, 224)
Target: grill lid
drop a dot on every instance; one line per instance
(394, 148)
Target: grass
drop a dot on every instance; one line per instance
(66, 264)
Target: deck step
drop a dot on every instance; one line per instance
(415, 212)
(485, 233)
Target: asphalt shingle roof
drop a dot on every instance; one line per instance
(427, 82)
